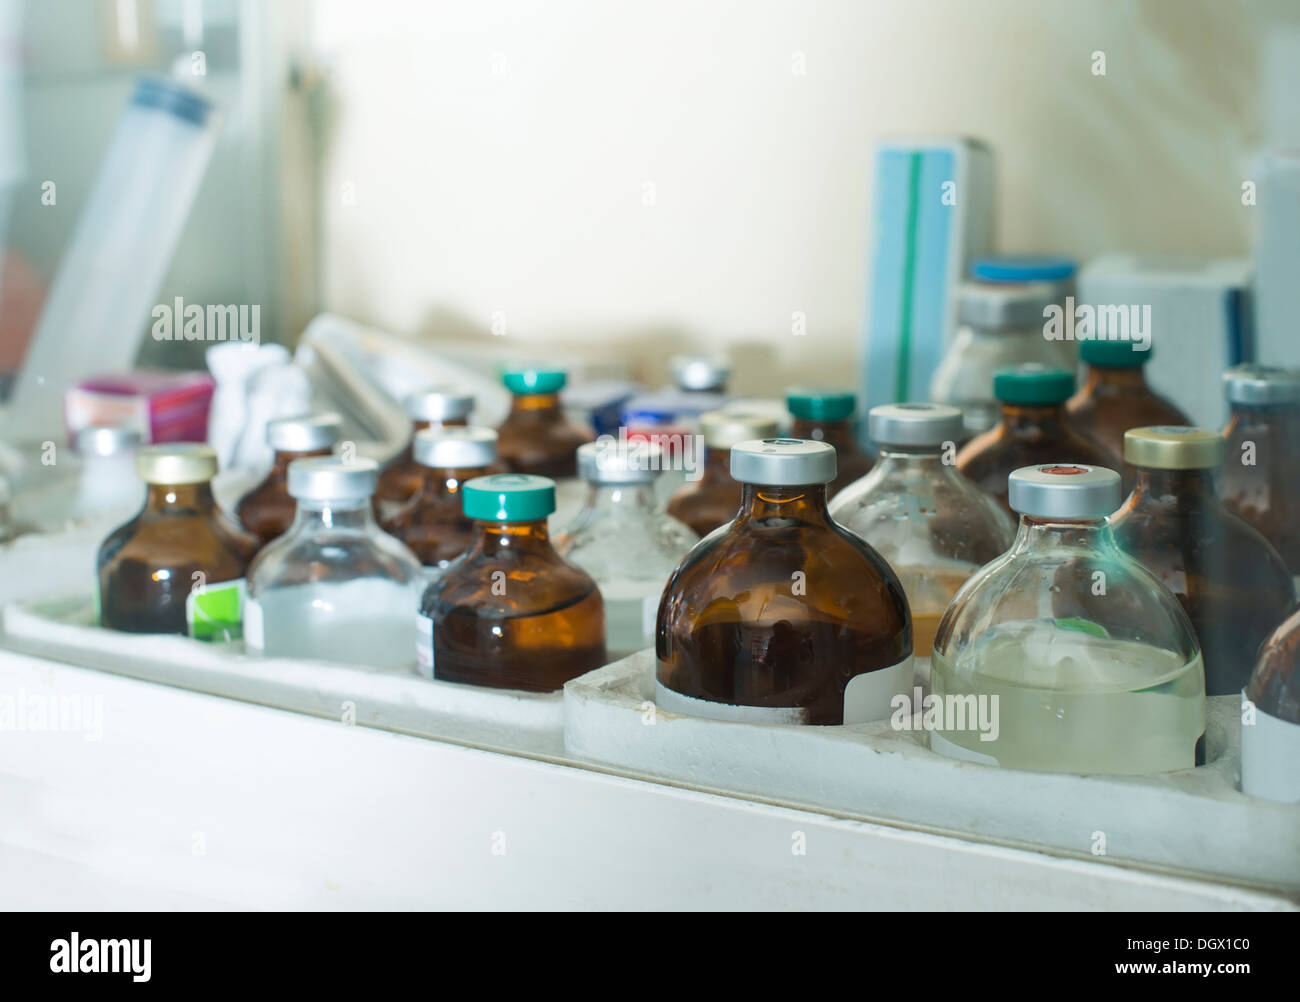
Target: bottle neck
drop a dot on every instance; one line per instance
(1033, 420)
(717, 465)
(802, 503)
(1102, 381)
(441, 482)
(347, 515)
(535, 404)
(419, 425)
(280, 467)
(1180, 488)
(892, 461)
(504, 538)
(1248, 421)
(180, 499)
(618, 499)
(836, 433)
(1038, 533)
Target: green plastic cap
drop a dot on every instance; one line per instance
(1033, 384)
(820, 405)
(528, 379)
(508, 497)
(1114, 354)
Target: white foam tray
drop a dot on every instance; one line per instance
(63, 629)
(1194, 821)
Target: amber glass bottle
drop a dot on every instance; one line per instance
(1033, 431)
(1230, 581)
(537, 437)
(511, 613)
(148, 567)
(268, 510)
(786, 616)
(1115, 397)
(1261, 472)
(827, 416)
(714, 498)
(437, 407)
(432, 523)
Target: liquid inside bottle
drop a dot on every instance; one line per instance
(784, 617)
(1260, 480)
(334, 587)
(537, 438)
(511, 613)
(268, 509)
(179, 545)
(714, 498)
(933, 526)
(827, 416)
(431, 409)
(1115, 397)
(1033, 431)
(1065, 654)
(624, 539)
(432, 522)
(1231, 582)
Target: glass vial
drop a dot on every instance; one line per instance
(713, 499)
(1065, 654)
(268, 509)
(827, 416)
(1230, 580)
(1270, 719)
(178, 545)
(437, 407)
(536, 437)
(785, 616)
(109, 482)
(334, 587)
(432, 522)
(934, 526)
(511, 613)
(624, 539)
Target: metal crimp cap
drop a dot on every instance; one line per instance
(304, 433)
(783, 462)
(1261, 384)
(439, 403)
(455, 448)
(914, 425)
(724, 429)
(1064, 491)
(176, 463)
(1173, 447)
(329, 479)
(700, 372)
(609, 461)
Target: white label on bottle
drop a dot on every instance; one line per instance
(424, 644)
(1270, 751)
(649, 619)
(254, 639)
(674, 702)
(870, 696)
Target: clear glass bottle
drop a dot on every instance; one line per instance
(1260, 480)
(511, 613)
(1231, 582)
(268, 509)
(1033, 430)
(1115, 397)
(152, 570)
(536, 437)
(827, 416)
(785, 616)
(436, 407)
(999, 325)
(714, 498)
(109, 482)
(1065, 654)
(624, 539)
(1270, 720)
(334, 587)
(934, 526)
(432, 522)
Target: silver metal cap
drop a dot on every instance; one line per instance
(914, 425)
(700, 372)
(1064, 490)
(609, 461)
(999, 306)
(329, 479)
(1261, 384)
(439, 403)
(304, 433)
(107, 440)
(783, 461)
(466, 448)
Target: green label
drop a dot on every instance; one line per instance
(214, 612)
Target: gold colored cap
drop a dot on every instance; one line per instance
(723, 429)
(1173, 447)
(176, 463)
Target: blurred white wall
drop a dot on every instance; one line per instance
(694, 171)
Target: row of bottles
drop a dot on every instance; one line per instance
(805, 608)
